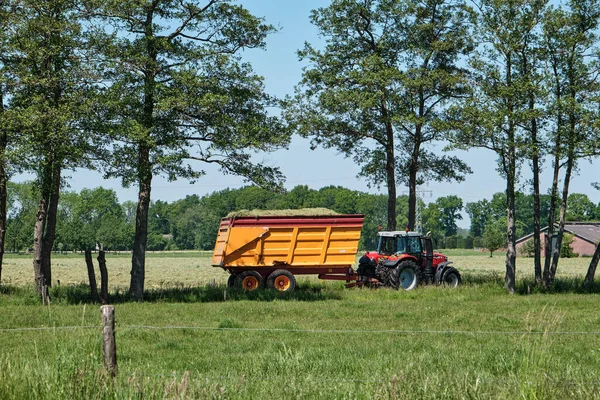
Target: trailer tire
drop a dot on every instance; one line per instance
(407, 275)
(249, 280)
(281, 280)
(231, 281)
(451, 277)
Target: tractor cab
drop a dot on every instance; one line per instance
(399, 242)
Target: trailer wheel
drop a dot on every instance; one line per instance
(451, 278)
(231, 281)
(249, 280)
(281, 280)
(407, 275)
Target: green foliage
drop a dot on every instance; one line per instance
(377, 90)
(93, 218)
(450, 208)
(566, 251)
(580, 208)
(494, 236)
(21, 209)
(479, 212)
(528, 248)
(179, 92)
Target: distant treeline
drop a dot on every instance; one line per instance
(94, 218)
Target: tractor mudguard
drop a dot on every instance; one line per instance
(439, 272)
(366, 260)
(394, 263)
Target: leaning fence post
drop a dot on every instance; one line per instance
(109, 346)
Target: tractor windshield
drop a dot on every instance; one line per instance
(391, 245)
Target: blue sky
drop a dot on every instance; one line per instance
(282, 71)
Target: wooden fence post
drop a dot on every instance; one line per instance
(109, 346)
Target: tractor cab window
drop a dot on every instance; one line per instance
(398, 245)
(387, 245)
(414, 245)
(401, 245)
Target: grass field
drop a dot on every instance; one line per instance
(196, 339)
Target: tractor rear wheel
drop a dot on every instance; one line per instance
(249, 280)
(281, 280)
(407, 275)
(451, 277)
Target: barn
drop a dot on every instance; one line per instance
(585, 237)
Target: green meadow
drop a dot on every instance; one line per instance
(194, 338)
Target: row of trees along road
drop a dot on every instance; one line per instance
(134, 89)
(146, 88)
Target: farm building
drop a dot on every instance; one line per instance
(585, 237)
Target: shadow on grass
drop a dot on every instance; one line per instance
(528, 286)
(79, 294)
(561, 285)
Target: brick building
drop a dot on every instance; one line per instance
(585, 237)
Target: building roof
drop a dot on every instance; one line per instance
(588, 231)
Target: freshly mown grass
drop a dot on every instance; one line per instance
(194, 338)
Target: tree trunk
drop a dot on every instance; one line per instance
(412, 187)
(144, 167)
(510, 168)
(138, 260)
(3, 196)
(537, 257)
(38, 233)
(390, 168)
(554, 191)
(561, 222)
(91, 275)
(103, 277)
(591, 272)
(511, 254)
(50, 226)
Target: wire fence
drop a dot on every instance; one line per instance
(307, 331)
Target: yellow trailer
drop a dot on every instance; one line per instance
(269, 250)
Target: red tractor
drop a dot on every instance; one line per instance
(405, 259)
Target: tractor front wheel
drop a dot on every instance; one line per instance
(281, 280)
(249, 280)
(407, 275)
(451, 278)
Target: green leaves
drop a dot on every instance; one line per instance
(179, 90)
(378, 90)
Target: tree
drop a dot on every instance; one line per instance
(581, 208)
(570, 38)
(591, 272)
(492, 118)
(450, 208)
(378, 89)
(6, 133)
(494, 237)
(479, 213)
(22, 206)
(179, 92)
(52, 92)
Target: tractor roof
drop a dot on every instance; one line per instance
(397, 233)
